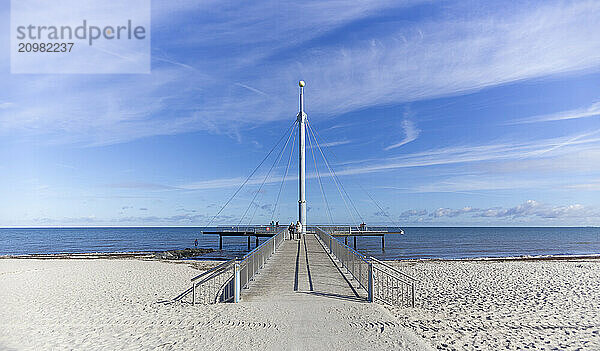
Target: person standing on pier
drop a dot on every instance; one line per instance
(298, 229)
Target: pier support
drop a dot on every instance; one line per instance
(220, 242)
(248, 242)
(256, 242)
(382, 242)
(355, 242)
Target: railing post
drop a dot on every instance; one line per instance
(193, 294)
(412, 293)
(236, 283)
(371, 285)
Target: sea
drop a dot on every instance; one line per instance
(416, 243)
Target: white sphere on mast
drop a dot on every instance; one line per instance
(301, 84)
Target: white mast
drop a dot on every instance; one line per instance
(302, 166)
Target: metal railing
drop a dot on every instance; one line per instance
(381, 281)
(356, 264)
(254, 260)
(255, 228)
(211, 286)
(345, 229)
(223, 282)
(392, 286)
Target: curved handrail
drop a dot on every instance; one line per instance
(392, 268)
(213, 269)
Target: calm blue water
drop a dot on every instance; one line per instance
(416, 243)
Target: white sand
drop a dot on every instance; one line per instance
(113, 304)
(86, 304)
(535, 305)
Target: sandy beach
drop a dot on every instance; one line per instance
(515, 305)
(116, 304)
(461, 305)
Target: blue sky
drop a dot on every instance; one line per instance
(446, 112)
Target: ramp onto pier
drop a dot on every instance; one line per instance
(304, 296)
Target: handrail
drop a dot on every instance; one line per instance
(253, 261)
(392, 268)
(213, 275)
(357, 265)
(339, 228)
(358, 254)
(260, 246)
(223, 282)
(391, 289)
(383, 282)
(213, 269)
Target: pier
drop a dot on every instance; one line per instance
(337, 231)
(349, 232)
(244, 233)
(310, 263)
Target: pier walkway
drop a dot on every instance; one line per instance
(302, 293)
(301, 270)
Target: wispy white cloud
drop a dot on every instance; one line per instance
(509, 150)
(411, 133)
(584, 112)
(334, 143)
(472, 183)
(591, 186)
(529, 208)
(252, 89)
(410, 61)
(411, 213)
(449, 212)
(140, 186)
(518, 155)
(534, 208)
(569, 141)
(451, 57)
(173, 62)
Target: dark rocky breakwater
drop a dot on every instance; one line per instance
(181, 254)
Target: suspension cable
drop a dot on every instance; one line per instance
(366, 192)
(333, 175)
(277, 159)
(378, 206)
(341, 185)
(285, 174)
(250, 176)
(319, 178)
